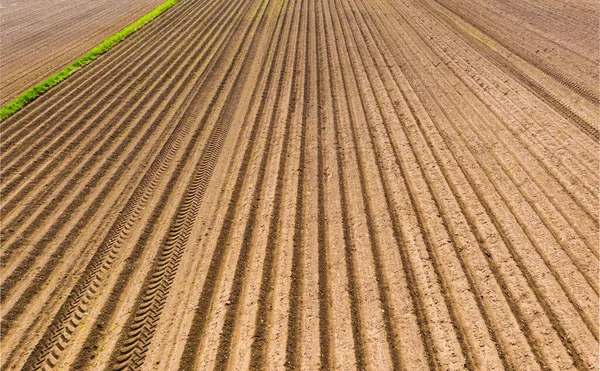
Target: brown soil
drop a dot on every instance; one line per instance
(311, 184)
(39, 38)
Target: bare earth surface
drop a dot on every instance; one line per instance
(40, 37)
(312, 184)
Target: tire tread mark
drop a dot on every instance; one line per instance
(136, 341)
(207, 295)
(108, 251)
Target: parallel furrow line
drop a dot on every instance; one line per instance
(114, 238)
(208, 290)
(324, 310)
(436, 48)
(240, 271)
(143, 324)
(534, 286)
(589, 95)
(63, 175)
(376, 246)
(523, 224)
(292, 356)
(40, 199)
(258, 348)
(350, 258)
(410, 186)
(493, 266)
(43, 144)
(64, 96)
(551, 228)
(592, 96)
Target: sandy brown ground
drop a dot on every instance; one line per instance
(40, 37)
(311, 184)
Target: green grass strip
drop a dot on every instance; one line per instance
(34, 92)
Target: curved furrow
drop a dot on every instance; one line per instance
(499, 108)
(532, 58)
(591, 96)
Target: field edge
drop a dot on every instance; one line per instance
(34, 92)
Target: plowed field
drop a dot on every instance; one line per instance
(312, 184)
(40, 37)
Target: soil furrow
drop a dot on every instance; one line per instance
(575, 83)
(137, 209)
(109, 101)
(303, 184)
(534, 286)
(488, 359)
(114, 137)
(146, 117)
(535, 235)
(166, 263)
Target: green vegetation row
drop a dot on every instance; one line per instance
(34, 92)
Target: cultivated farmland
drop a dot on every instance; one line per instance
(312, 184)
(40, 37)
